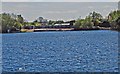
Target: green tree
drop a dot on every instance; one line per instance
(10, 21)
(93, 19)
(79, 23)
(51, 22)
(96, 17)
(113, 18)
(113, 15)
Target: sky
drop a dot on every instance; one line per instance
(60, 0)
(57, 10)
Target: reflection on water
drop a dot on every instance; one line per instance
(69, 51)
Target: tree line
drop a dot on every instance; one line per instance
(95, 19)
(11, 22)
(16, 22)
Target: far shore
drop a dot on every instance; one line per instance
(59, 29)
(64, 29)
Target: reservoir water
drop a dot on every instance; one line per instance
(60, 51)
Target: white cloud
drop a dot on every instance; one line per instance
(60, 0)
(60, 12)
(90, 7)
(91, 0)
(108, 6)
(57, 10)
(16, 0)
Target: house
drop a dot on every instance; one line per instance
(63, 25)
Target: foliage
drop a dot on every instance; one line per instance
(33, 24)
(79, 23)
(114, 18)
(113, 15)
(13, 21)
(51, 22)
(93, 19)
(10, 21)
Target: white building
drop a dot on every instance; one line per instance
(63, 24)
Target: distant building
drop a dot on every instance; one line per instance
(63, 25)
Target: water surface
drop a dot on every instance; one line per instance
(61, 51)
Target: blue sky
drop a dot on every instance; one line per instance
(60, 0)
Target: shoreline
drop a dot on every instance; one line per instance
(63, 29)
(55, 29)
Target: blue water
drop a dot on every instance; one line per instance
(62, 51)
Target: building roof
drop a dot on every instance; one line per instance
(63, 24)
